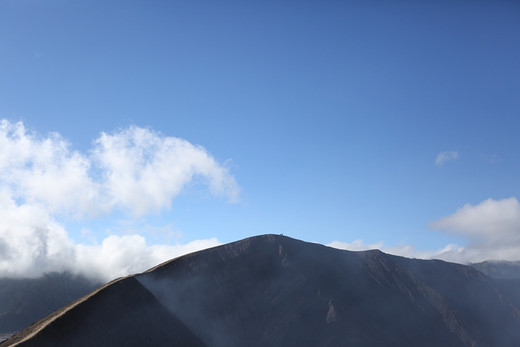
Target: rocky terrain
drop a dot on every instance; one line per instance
(272, 290)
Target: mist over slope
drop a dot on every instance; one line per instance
(274, 290)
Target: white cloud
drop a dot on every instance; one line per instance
(135, 170)
(491, 219)
(143, 170)
(45, 171)
(446, 156)
(491, 228)
(32, 243)
(122, 255)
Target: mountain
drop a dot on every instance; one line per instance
(24, 301)
(272, 290)
(499, 269)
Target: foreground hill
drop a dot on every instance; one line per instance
(276, 291)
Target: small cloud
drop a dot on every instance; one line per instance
(356, 245)
(446, 156)
(491, 158)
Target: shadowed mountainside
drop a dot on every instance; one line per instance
(274, 290)
(121, 313)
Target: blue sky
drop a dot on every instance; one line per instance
(330, 117)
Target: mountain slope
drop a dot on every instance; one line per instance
(119, 313)
(274, 290)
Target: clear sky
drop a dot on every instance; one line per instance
(357, 124)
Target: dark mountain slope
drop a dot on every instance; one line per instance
(480, 310)
(121, 313)
(274, 290)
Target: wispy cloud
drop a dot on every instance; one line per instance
(409, 251)
(446, 156)
(491, 228)
(491, 158)
(356, 245)
(133, 170)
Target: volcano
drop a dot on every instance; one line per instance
(272, 290)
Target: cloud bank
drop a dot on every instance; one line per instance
(492, 229)
(134, 170)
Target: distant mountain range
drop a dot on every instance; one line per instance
(272, 290)
(499, 269)
(23, 301)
